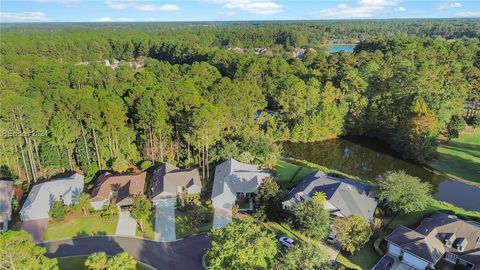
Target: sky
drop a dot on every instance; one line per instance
(229, 10)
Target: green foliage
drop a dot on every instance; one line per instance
(145, 165)
(96, 261)
(352, 232)
(403, 192)
(305, 256)
(312, 219)
(475, 121)
(121, 261)
(195, 94)
(100, 261)
(456, 124)
(193, 199)
(241, 245)
(141, 209)
(17, 251)
(120, 165)
(83, 202)
(58, 210)
(267, 199)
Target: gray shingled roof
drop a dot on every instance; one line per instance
(233, 176)
(167, 178)
(427, 241)
(6, 192)
(349, 196)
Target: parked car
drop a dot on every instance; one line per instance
(287, 242)
(331, 238)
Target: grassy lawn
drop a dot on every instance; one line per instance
(148, 227)
(289, 174)
(185, 226)
(460, 158)
(78, 262)
(366, 257)
(77, 225)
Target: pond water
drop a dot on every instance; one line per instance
(367, 158)
(334, 48)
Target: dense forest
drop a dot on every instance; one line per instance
(100, 97)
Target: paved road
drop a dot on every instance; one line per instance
(165, 223)
(184, 254)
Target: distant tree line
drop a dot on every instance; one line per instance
(194, 101)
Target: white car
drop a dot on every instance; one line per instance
(287, 241)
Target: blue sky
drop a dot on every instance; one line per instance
(226, 10)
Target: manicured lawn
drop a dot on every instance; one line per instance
(78, 263)
(366, 257)
(185, 226)
(460, 158)
(148, 227)
(289, 174)
(77, 225)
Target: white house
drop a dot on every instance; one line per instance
(42, 196)
(233, 180)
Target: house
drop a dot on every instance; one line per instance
(344, 196)
(170, 181)
(117, 188)
(234, 180)
(438, 236)
(6, 194)
(43, 195)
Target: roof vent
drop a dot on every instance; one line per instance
(452, 217)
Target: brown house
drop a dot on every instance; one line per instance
(117, 188)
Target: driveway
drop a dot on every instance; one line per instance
(165, 223)
(221, 217)
(184, 254)
(36, 228)
(126, 226)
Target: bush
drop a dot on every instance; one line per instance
(58, 211)
(146, 164)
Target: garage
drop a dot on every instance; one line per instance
(414, 261)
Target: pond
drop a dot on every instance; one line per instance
(334, 48)
(367, 158)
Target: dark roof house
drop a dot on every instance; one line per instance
(344, 196)
(438, 236)
(122, 186)
(169, 180)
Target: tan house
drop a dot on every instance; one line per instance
(117, 189)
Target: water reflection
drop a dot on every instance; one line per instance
(367, 158)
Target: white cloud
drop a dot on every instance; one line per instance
(468, 14)
(108, 19)
(119, 4)
(251, 6)
(149, 19)
(23, 17)
(365, 9)
(455, 5)
(150, 7)
(124, 4)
